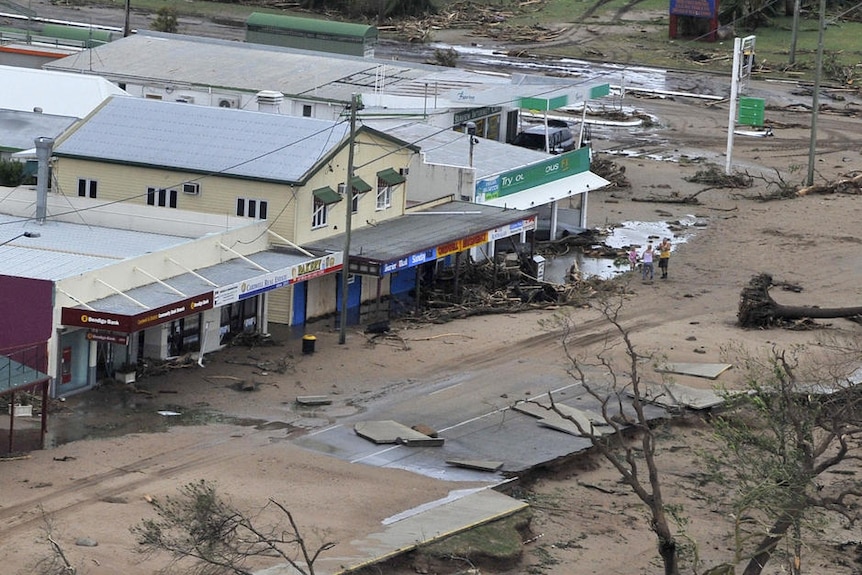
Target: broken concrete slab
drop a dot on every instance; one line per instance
(313, 400)
(477, 464)
(420, 441)
(675, 395)
(533, 408)
(707, 370)
(388, 431)
(563, 419)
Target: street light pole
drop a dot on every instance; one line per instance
(24, 235)
(348, 192)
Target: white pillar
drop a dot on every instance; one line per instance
(734, 88)
(554, 216)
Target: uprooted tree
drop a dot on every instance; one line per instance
(785, 432)
(205, 534)
(758, 309)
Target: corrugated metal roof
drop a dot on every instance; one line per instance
(204, 139)
(58, 93)
(19, 130)
(451, 148)
(421, 230)
(155, 295)
(152, 57)
(65, 250)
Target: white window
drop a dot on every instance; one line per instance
(87, 188)
(318, 215)
(384, 195)
(354, 202)
(251, 208)
(161, 197)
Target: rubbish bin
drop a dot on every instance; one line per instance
(308, 344)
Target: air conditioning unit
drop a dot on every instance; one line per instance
(192, 188)
(225, 102)
(186, 99)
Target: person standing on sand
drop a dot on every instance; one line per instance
(646, 263)
(664, 257)
(633, 259)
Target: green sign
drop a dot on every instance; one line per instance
(751, 111)
(557, 168)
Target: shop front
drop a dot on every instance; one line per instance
(396, 258)
(109, 338)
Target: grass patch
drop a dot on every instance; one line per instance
(497, 543)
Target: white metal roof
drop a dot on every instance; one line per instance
(204, 139)
(58, 93)
(154, 295)
(65, 250)
(152, 57)
(19, 130)
(451, 148)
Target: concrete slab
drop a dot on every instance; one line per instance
(388, 431)
(313, 400)
(421, 441)
(674, 395)
(480, 465)
(461, 511)
(707, 370)
(559, 419)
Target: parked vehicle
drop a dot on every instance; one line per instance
(559, 136)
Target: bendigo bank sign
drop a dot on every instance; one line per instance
(107, 321)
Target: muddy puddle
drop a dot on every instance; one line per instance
(105, 413)
(620, 238)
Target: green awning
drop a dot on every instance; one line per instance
(391, 177)
(327, 195)
(360, 186)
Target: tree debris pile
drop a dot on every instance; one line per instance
(484, 20)
(851, 184)
(491, 288)
(757, 308)
(155, 367)
(611, 171)
(712, 175)
(252, 340)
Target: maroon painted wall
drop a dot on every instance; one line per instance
(26, 320)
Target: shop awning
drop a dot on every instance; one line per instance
(426, 235)
(327, 195)
(550, 192)
(360, 186)
(191, 293)
(391, 177)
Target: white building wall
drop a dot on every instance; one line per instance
(433, 181)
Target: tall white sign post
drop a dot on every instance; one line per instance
(743, 60)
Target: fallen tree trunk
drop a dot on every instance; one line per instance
(758, 309)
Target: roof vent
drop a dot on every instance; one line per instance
(269, 101)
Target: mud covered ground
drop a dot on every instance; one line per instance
(585, 521)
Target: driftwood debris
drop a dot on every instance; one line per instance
(758, 309)
(848, 185)
(485, 20)
(611, 171)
